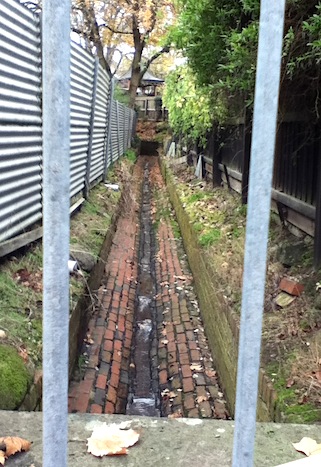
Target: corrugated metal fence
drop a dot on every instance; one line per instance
(101, 128)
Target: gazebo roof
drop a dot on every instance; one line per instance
(148, 78)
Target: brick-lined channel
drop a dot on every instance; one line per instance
(144, 392)
(146, 351)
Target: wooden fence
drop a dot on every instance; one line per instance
(297, 169)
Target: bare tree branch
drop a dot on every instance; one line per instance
(147, 64)
(114, 30)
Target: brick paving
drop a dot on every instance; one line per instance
(104, 383)
(188, 383)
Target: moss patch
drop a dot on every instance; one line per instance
(14, 380)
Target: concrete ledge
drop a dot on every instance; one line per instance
(163, 442)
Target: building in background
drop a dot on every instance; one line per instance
(148, 99)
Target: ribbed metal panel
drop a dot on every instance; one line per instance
(127, 126)
(82, 80)
(114, 133)
(78, 158)
(20, 119)
(20, 64)
(121, 119)
(20, 178)
(100, 125)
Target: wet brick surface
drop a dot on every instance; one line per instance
(188, 383)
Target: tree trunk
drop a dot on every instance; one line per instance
(136, 76)
(134, 84)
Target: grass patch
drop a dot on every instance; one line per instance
(21, 275)
(210, 238)
(293, 409)
(131, 155)
(196, 197)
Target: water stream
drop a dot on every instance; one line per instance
(144, 393)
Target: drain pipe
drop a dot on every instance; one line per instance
(56, 144)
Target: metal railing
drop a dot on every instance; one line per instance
(95, 141)
(56, 222)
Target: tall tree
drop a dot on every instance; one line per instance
(139, 24)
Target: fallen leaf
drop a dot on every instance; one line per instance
(200, 399)
(110, 440)
(196, 367)
(10, 445)
(175, 415)
(89, 341)
(164, 341)
(210, 373)
(181, 278)
(303, 399)
(290, 382)
(164, 332)
(308, 446)
(23, 354)
(318, 375)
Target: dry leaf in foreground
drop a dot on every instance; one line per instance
(313, 461)
(9, 445)
(308, 446)
(111, 440)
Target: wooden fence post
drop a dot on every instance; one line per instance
(317, 227)
(214, 152)
(247, 136)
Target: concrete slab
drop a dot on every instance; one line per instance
(163, 442)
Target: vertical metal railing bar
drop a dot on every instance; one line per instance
(108, 133)
(56, 180)
(262, 155)
(91, 130)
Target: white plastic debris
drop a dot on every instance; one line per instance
(112, 186)
(199, 167)
(172, 150)
(73, 267)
